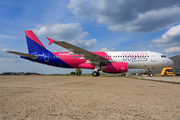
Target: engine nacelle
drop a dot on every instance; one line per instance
(86, 65)
(116, 67)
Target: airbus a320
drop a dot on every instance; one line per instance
(109, 62)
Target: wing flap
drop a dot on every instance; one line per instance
(23, 54)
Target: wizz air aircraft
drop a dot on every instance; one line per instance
(109, 62)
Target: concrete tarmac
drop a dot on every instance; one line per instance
(171, 79)
(87, 97)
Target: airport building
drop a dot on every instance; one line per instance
(176, 66)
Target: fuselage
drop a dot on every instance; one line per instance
(135, 59)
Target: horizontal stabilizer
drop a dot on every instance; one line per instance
(23, 54)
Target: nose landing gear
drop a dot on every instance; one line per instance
(150, 73)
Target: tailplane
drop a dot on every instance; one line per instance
(33, 43)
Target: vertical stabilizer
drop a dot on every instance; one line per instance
(33, 43)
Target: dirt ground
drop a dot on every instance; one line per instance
(87, 97)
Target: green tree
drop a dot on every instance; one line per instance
(78, 72)
(72, 73)
(145, 72)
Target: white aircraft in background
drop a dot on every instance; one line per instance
(109, 62)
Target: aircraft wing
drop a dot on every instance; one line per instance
(76, 50)
(23, 54)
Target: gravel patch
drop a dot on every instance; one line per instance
(86, 97)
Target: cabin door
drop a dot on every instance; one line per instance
(153, 57)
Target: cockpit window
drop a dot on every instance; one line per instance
(163, 56)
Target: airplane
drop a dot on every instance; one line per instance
(109, 62)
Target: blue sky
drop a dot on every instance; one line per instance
(95, 25)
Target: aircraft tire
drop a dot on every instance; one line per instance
(150, 75)
(95, 74)
(98, 74)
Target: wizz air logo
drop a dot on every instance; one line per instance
(135, 56)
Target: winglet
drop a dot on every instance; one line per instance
(50, 40)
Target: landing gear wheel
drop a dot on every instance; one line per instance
(98, 74)
(95, 74)
(150, 75)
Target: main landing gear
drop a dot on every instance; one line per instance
(95, 73)
(150, 73)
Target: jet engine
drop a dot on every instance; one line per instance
(116, 67)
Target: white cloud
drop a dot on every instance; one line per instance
(129, 15)
(90, 42)
(78, 7)
(3, 48)
(4, 59)
(150, 46)
(150, 21)
(71, 32)
(4, 55)
(170, 38)
(106, 49)
(172, 50)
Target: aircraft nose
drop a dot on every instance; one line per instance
(170, 62)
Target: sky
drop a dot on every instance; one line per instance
(94, 25)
